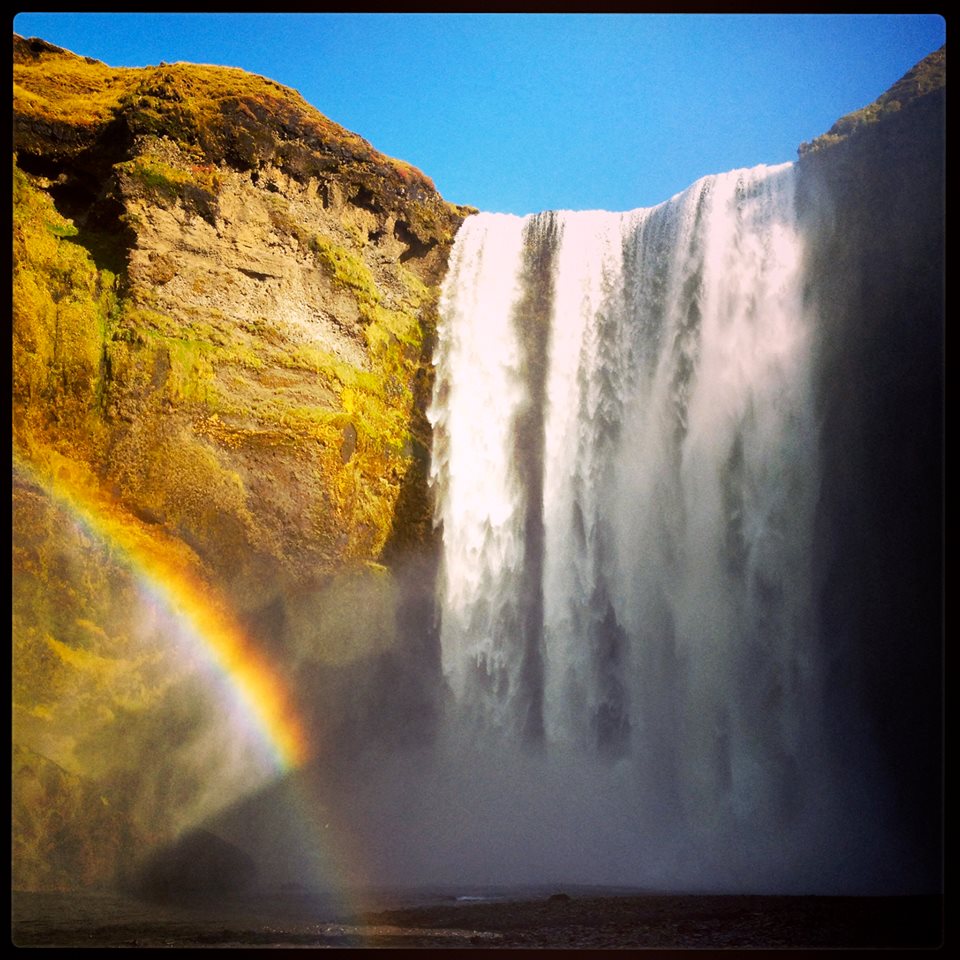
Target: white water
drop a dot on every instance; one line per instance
(626, 586)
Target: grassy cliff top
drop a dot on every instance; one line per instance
(926, 77)
(64, 102)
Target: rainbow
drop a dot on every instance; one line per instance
(165, 568)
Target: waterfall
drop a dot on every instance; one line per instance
(625, 467)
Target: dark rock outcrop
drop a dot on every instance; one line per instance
(872, 193)
(199, 865)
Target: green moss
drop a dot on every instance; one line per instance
(325, 364)
(138, 318)
(62, 230)
(347, 269)
(160, 105)
(182, 479)
(357, 235)
(64, 309)
(285, 222)
(925, 77)
(210, 111)
(63, 87)
(302, 420)
(158, 178)
(387, 327)
(193, 349)
(417, 291)
(196, 186)
(191, 370)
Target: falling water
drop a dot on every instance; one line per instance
(625, 464)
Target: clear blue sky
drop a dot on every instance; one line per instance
(525, 112)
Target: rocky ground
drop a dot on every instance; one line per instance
(581, 922)
(681, 921)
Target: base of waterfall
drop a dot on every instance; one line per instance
(508, 918)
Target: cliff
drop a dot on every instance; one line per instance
(871, 192)
(224, 307)
(251, 292)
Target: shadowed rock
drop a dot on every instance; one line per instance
(200, 864)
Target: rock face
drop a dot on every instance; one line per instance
(266, 286)
(200, 864)
(872, 192)
(224, 306)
